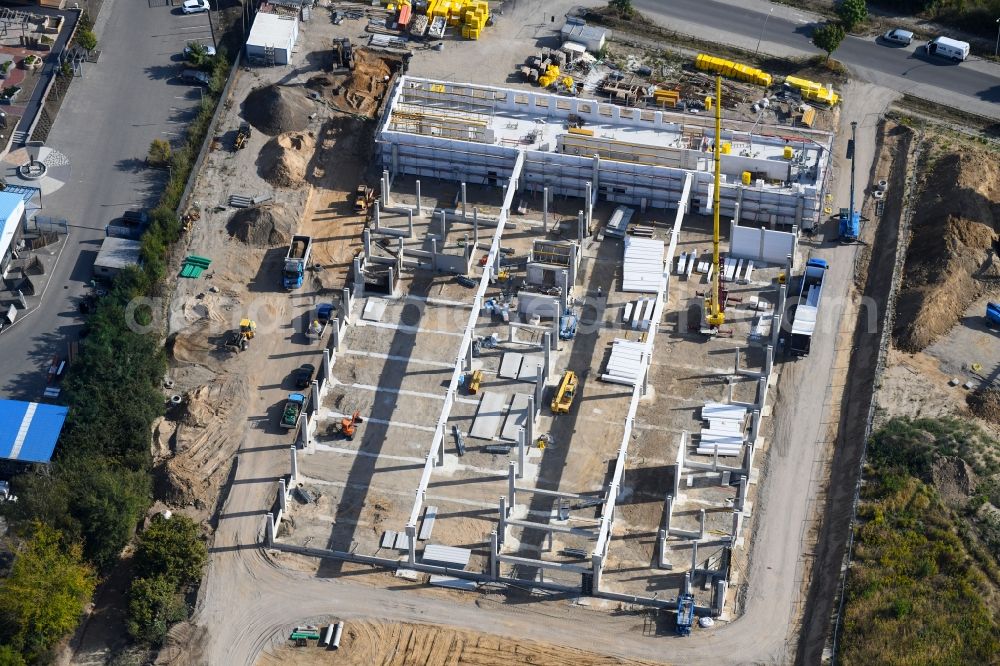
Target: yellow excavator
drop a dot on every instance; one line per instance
(714, 308)
(238, 340)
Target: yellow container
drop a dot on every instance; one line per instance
(746, 177)
(708, 103)
(787, 152)
(726, 148)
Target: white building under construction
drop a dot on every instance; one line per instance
(638, 157)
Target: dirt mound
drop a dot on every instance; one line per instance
(263, 226)
(208, 434)
(951, 249)
(284, 159)
(278, 109)
(985, 404)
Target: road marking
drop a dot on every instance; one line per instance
(22, 432)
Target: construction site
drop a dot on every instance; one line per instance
(475, 334)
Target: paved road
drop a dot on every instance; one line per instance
(105, 126)
(971, 86)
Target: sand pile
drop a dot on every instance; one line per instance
(278, 109)
(284, 159)
(952, 245)
(263, 226)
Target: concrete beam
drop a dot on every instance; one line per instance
(548, 527)
(543, 564)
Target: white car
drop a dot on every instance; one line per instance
(899, 36)
(189, 49)
(195, 6)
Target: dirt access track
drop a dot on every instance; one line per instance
(251, 598)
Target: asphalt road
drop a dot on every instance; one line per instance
(104, 127)
(972, 86)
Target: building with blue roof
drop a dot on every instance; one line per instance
(11, 225)
(29, 430)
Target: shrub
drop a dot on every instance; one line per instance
(828, 38)
(86, 39)
(159, 152)
(852, 13)
(153, 605)
(171, 549)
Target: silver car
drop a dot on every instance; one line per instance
(898, 36)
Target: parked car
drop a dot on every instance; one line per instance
(304, 375)
(196, 76)
(134, 218)
(946, 47)
(189, 49)
(898, 36)
(195, 6)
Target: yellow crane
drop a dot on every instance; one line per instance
(714, 315)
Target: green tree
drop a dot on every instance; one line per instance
(159, 152)
(109, 504)
(42, 598)
(852, 13)
(153, 605)
(172, 549)
(828, 37)
(87, 39)
(623, 7)
(11, 657)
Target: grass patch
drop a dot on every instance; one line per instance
(916, 590)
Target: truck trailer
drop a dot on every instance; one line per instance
(296, 261)
(804, 317)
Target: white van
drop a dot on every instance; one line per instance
(948, 48)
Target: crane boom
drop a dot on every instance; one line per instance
(715, 317)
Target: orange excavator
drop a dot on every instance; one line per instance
(348, 425)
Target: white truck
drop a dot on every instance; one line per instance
(945, 47)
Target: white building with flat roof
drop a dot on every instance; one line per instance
(272, 38)
(637, 157)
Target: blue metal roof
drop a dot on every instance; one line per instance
(9, 202)
(26, 193)
(29, 430)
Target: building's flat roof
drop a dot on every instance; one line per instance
(271, 30)
(11, 210)
(29, 430)
(118, 253)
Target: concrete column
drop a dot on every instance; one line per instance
(475, 227)
(468, 358)
(595, 176)
(564, 296)
(529, 422)
(444, 227)
(741, 494)
(645, 376)
(420, 210)
(345, 303)
(395, 159)
(661, 550)
(434, 254)
(494, 550)
(719, 598)
(737, 524)
(701, 524)
(590, 204)
(520, 453)
(335, 338)
(411, 533)
(327, 367)
(580, 227)
(269, 531)
(668, 509)
(539, 387)
(282, 496)
(511, 475)
(761, 392)
(782, 295)
(597, 563)
(754, 427)
(503, 517)
(545, 209)
(366, 242)
(775, 329)
(392, 280)
(399, 251)
(768, 360)
(376, 219)
(747, 461)
(736, 366)
(409, 223)
(694, 556)
(546, 341)
(294, 476)
(359, 279)
(385, 189)
(554, 338)
(465, 216)
(573, 259)
(680, 468)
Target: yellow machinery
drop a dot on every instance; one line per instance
(475, 378)
(237, 340)
(714, 315)
(565, 394)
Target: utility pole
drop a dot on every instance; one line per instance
(763, 28)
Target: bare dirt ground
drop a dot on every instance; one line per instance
(391, 644)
